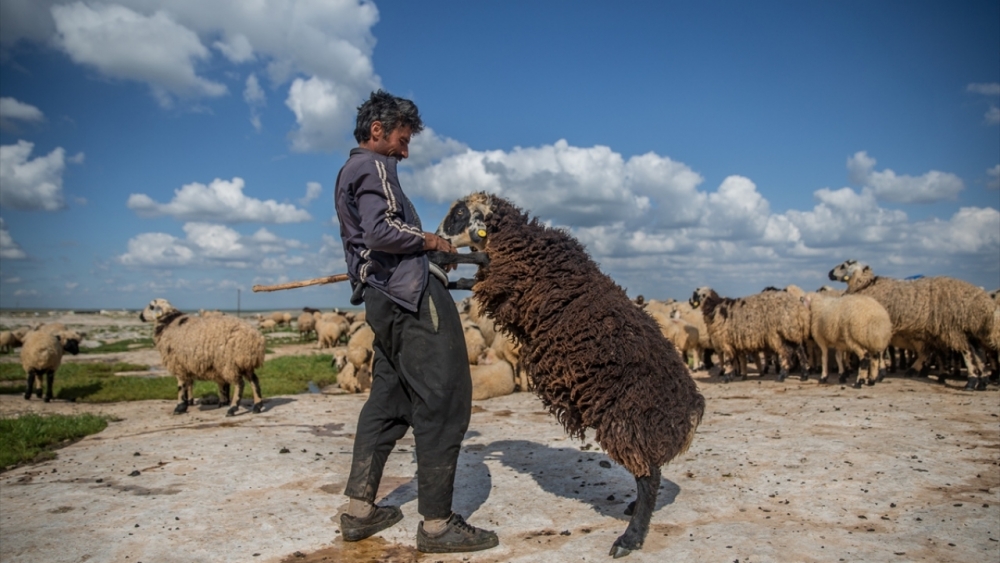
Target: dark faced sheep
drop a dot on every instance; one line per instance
(942, 312)
(596, 360)
(224, 349)
(41, 355)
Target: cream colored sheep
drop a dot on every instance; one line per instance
(475, 343)
(224, 349)
(491, 377)
(850, 323)
(681, 333)
(10, 339)
(41, 354)
(330, 329)
(506, 349)
(266, 325)
(356, 376)
(306, 324)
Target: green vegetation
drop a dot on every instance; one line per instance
(32, 437)
(97, 382)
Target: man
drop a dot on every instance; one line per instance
(420, 372)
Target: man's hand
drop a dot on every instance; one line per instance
(434, 242)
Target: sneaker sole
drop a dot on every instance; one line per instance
(455, 548)
(365, 532)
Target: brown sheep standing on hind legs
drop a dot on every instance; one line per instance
(596, 360)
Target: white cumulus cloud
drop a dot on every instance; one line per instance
(12, 110)
(9, 250)
(222, 201)
(254, 96)
(33, 184)
(125, 44)
(994, 178)
(930, 187)
(208, 244)
(313, 189)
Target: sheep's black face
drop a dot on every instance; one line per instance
(465, 223)
(842, 272)
(72, 346)
(695, 300)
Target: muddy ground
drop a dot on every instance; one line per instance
(907, 470)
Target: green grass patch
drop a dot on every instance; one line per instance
(126, 345)
(32, 437)
(97, 383)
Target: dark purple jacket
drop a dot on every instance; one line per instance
(382, 236)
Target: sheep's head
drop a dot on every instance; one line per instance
(70, 341)
(465, 223)
(699, 296)
(847, 270)
(156, 310)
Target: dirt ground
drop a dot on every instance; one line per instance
(907, 470)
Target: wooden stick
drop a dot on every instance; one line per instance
(303, 283)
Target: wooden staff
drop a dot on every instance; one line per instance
(303, 283)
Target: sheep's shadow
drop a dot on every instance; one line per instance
(589, 477)
(246, 405)
(473, 482)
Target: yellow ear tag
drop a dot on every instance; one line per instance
(847, 278)
(481, 233)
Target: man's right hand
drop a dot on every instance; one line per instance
(434, 242)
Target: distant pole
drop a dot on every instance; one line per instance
(237, 302)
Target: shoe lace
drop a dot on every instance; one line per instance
(462, 525)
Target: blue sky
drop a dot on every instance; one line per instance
(188, 149)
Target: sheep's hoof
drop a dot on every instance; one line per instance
(257, 407)
(27, 396)
(870, 382)
(842, 379)
(857, 384)
(823, 380)
(881, 375)
(782, 375)
(975, 384)
(619, 551)
(805, 376)
(47, 399)
(181, 408)
(232, 411)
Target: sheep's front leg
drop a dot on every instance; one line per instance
(182, 397)
(974, 366)
(237, 394)
(638, 526)
(824, 354)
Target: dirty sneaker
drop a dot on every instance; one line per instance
(456, 538)
(357, 529)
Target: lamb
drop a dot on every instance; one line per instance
(770, 320)
(942, 311)
(851, 323)
(42, 353)
(595, 359)
(224, 349)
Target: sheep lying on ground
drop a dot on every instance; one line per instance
(224, 349)
(940, 311)
(851, 323)
(770, 320)
(475, 344)
(595, 359)
(41, 354)
(491, 377)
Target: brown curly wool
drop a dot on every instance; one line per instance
(596, 360)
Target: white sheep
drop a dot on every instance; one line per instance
(475, 343)
(10, 339)
(330, 328)
(356, 376)
(224, 349)
(41, 354)
(306, 324)
(491, 377)
(850, 323)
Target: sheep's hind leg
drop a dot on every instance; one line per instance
(30, 385)
(258, 398)
(49, 377)
(635, 534)
(182, 398)
(234, 403)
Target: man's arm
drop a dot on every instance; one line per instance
(382, 218)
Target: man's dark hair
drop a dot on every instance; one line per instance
(392, 111)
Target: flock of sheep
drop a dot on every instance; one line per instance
(879, 322)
